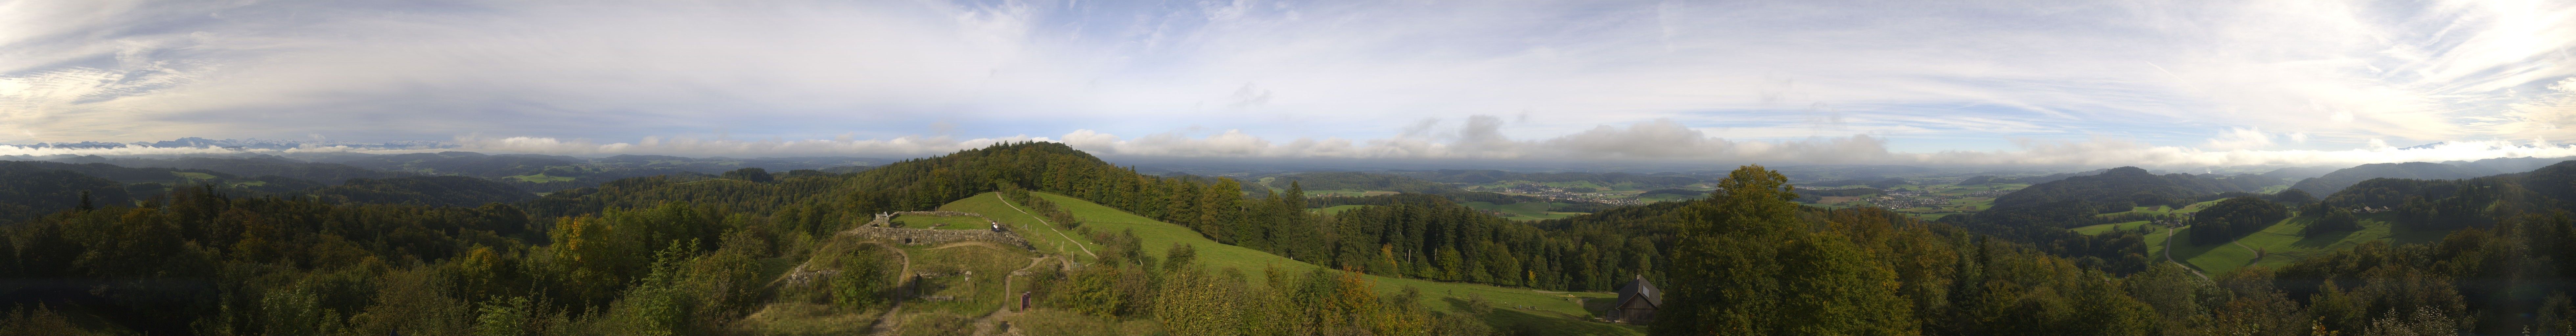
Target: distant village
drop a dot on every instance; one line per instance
(1561, 194)
(1914, 198)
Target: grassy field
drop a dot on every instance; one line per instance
(1334, 209)
(1348, 192)
(2162, 210)
(2280, 244)
(1522, 210)
(539, 178)
(1670, 197)
(1954, 199)
(941, 222)
(1559, 313)
(1622, 186)
(1037, 232)
(2100, 228)
(193, 176)
(1960, 190)
(973, 276)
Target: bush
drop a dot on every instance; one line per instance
(1458, 324)
(862, 281)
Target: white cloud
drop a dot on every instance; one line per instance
(1766, 74)
(1660, 141)
(2246, 138)
(1666, 141)
(909, 146)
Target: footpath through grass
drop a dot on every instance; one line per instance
(1556, 312)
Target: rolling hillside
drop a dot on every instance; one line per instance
(2339, 179)
(1556, 311)
(2281, 244)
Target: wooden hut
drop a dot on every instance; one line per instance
(1637, 302)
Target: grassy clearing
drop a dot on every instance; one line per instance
(2162, 210)
(1043, 321)
(1560, 311)
(192, 176)
(1337, 209)
(941, 222)
(539, 178)
(1029, 227)
(803, 318)
(1348, 192)
(1523, 210)
(2101, 228)
(2152, 210)
(2280, 244)
(1669, 198)
(935, 324)
(2195, 207)
(970, 276)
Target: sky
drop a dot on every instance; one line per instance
(2156, 83)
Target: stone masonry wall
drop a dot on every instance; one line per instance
(936, 236)
(886, 218)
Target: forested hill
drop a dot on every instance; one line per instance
(2069, 201)
(40, 187)
(2471, 202)
(263, 165)
(548, 173)
(2340, 179)
(698, 254)
(33, 188)
(2300, 173)
(459, 191)
(1410, 236)
(27, 191)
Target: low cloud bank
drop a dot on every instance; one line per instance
(1480, 138)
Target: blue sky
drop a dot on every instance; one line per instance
(1986, 82)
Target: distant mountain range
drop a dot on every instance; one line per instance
(195, 142)
(2075, 199)
(2337, 180)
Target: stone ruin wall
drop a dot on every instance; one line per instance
(886, 219)
(879, 229)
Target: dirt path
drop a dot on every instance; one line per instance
(990, 324)
(886, 323)
(2169, 238)
(1050, 226)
